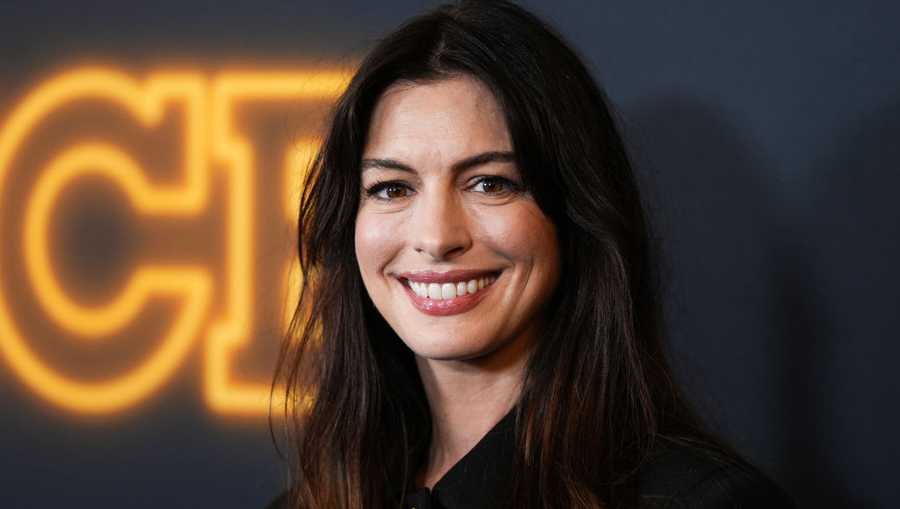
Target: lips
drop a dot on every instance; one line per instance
(453, 276)
(451, 306)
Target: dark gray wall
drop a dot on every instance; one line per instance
(767, 135)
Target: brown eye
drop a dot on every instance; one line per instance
(491, 186)
(494, 185)
(395, 191)
(388, 191)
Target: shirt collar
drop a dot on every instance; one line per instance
(479, 478)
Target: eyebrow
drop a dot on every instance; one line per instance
(461, 165)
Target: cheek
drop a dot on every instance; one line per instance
(521, 233)
(375, 242)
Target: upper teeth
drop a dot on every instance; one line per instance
(450, 290)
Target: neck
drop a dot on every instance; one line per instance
(467, 398)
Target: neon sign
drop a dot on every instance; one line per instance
(220, 181)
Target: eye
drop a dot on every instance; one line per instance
(495, 186)
(388, 190)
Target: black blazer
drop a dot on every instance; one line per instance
(678, 478)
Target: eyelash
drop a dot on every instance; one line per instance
(380, 185)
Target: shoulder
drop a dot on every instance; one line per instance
(682, 477)
(279, 502)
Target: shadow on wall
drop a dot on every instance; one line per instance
(740, 300)
(844, 430)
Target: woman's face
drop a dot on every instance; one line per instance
(456, 256)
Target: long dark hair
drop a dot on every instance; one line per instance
(598, 394)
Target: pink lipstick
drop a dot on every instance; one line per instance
(449, 306)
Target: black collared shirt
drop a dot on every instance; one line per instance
(677, 478)
(478, 478)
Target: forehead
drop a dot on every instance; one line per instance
(445, 118)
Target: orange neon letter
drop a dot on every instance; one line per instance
(190, 285)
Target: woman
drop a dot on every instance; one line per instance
(479, 324)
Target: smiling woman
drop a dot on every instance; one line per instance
(479, 323)
(460, 214)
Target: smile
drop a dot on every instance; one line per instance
(441, 296)
(440, 291)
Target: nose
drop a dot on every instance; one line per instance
(439, 227)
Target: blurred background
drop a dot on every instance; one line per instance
(149, 154)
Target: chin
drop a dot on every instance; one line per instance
(440, 348)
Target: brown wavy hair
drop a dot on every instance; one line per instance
(598, 394)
